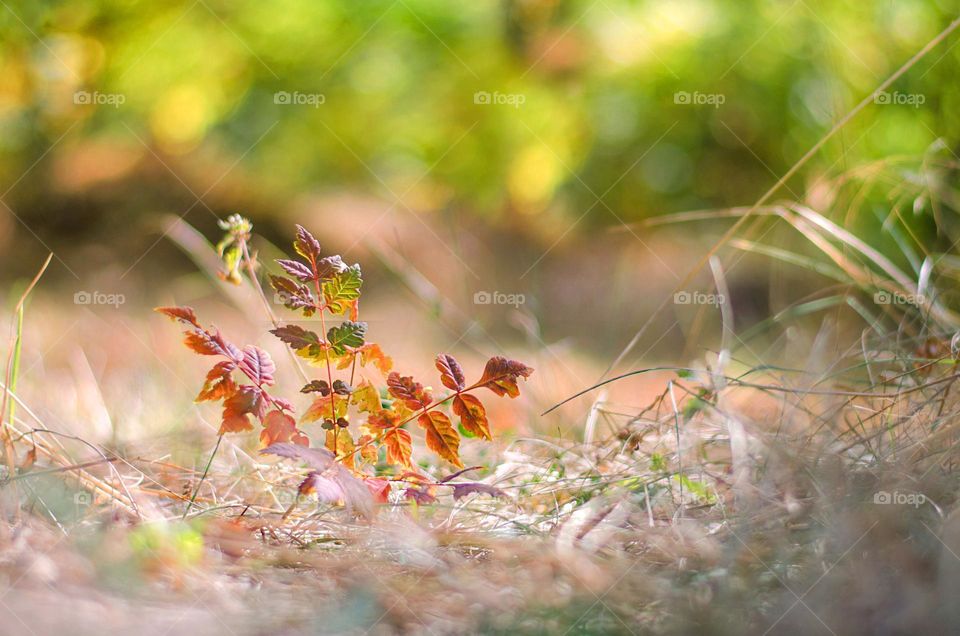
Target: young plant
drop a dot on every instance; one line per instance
(363, 422)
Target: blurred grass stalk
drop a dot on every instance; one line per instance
(13, 371)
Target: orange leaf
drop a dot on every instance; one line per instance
(441, 437)
(244, 401)
(344, 446)
(371, 352)
(451, 373)
(219, 383)
(280, 427)
(500, 376)
(399, 446)
(473, 416)
(321, 408)
(200, 342)
(367, 450)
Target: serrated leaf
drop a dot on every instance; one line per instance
(473, 417)
(298, 270)
(403, 387)
(258, 365)
(500, 376)
(451, 373)
(348, 334)
(293, 295)
(341, 291)
(280, 427)
(306, 245)
(300, 339)
(442, 438)
(396, 440)
(246, 401)
(371, 352)
(399, 445)
(219, 382)
(185, 315)
(366, 398)
(368, 452)
(316, 386)
(321, 408)
(329, 267)
(200, 342)
(340, 442)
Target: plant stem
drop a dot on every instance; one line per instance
(432, 405)
(266, 305)
(326, 358)
(13, 358)
(203, 477)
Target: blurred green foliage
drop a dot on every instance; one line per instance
(383, 95)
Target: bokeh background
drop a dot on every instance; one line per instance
(454, 149)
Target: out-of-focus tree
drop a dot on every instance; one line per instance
(516, 111)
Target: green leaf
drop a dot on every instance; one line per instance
(343, 289)
(348, 334)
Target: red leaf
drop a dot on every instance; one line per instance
(293, 295)
(226, 348)
(299, 338)
(473, 417)
(185, 315)
(298, 270)
(305, 245)
(257, 365)
(451, 373)
(379, 488)
(404, 388)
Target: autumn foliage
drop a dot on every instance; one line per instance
(361, 406)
